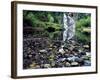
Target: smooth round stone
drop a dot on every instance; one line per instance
(47, 65)
(86, 46)
(61, 50)
(74, 64)
(43, 51)
(30, 55)
(67, 64)
(50, 48)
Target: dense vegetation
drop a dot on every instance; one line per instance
(83, 28)
(52, 24)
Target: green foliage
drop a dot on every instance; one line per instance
(45, 20)
(52, 23)
(81, 34)
(83, 38)
(84, 22)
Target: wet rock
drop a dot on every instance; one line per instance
(57, 43)
(80, 61)
(61, 59)
(76, 49)
(87, 63)
(71, 47)
(72, 59)
(45, 53)
(60, 64)
(83, 53)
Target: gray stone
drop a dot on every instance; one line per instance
(74, 64)
(61, 59)
(73, 58)
(87, 63)
(47, 65)
(67, 64)
(43, 51)
(88, 54)
(85, 57)
(86, 46)
(61, 50)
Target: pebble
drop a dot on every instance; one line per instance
(88, 54)
(47, 66)
(61, 50)
(74, 64)
(86, 46)
(43, 51)
(67, 64)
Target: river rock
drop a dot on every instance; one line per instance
(87, 63)
(52, 63)
(61, 50)
(72, 59)
(47, 66)
(43, 51)
(71, 47)
(67, 64)
(37, 66)
(83, 53)
(85, 57)
(86, 46)
(61, 59)
(88, 54)
(33, 65)
(74, 64)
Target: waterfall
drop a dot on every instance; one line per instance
(69, 27)
(65, 27)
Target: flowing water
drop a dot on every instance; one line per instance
(69, 27)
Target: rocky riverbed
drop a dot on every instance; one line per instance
(45, 53)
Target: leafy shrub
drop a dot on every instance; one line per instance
(84, 23)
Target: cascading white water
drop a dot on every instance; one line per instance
(69, 27)
(65, 27)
